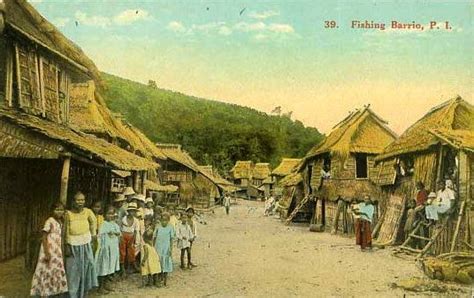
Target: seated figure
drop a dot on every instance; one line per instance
(442, 202)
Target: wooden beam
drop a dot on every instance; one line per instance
(440, 164)
(65, 179)
(18, 73)
(41, 85)
(144, 177)
(9, 78)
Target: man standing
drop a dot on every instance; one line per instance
(227, 203)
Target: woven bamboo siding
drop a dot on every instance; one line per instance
(25, 203)
(30, 99)
(50, 89)
(3, 70)
(90, 180)
(386, 173)
(19, 142)
(425, 169)
(316, 174)
(372, 169)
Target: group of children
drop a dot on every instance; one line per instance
(134, 235)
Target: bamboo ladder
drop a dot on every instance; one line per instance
(297, 209)
(430, 241)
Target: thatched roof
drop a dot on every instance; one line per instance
(451, 116)
(460, 139)
(348, 190)
(286, 166)
(242, 170)
(89, 113)
(177, 154)
(291, 180)
(221, 182)
(261, 171)
(362, 131)
(151, 185)
(22, 18)
(77, 142)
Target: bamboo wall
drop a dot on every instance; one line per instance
(29, 187)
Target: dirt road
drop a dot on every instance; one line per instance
(247, 254)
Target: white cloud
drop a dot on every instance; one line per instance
(224, 30)
(61, 22)
(281, 28)
(130, 16)
(263, 15)
(176, 26)
(126, 17)
(247, 27)
(208, 27)
(96, 21)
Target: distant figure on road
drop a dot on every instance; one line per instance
(226, 203)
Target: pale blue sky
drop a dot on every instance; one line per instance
(278, 53)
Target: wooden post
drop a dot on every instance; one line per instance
(440, 163)
(65, 179)
(18, 75)
(144, 177)
(135, 180)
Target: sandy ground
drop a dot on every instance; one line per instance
(247, 254)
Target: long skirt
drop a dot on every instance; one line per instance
(363, 233)
(80, 270)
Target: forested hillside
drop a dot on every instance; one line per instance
(212, 132)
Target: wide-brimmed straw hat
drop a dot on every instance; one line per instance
(132, 206)
(119, 198)
(432, 195)
(128, 191)
(139, 197)
(149, 200)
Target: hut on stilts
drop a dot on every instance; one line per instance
(241, 176)
(340, 170)
(439, 146)
(42, 158)
(285, 168)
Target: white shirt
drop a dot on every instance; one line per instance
(446, 196)
(130, 229)
(226, 201)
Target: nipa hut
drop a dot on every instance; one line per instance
(341, 169)
(262, 182)
(42, 159)
(196, 187)
(285, 168)
(241, 175)
(439, 146)
(292, 192)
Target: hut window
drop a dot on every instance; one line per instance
(361, 166)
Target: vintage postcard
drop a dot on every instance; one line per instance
(271, 148)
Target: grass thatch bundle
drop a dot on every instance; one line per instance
(286, 166)
(453, 120)
(242, 170)
(261, 171)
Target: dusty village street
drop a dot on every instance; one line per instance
(248, 254)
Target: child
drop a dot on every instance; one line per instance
(50, 277)
(192, 224)
(174, 218)
(108, 255)
(130, 228)
(97, 209)
(148, 212)
(163, 239)
(150, 264)
(184, 235)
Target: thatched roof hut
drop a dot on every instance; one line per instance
(217, 178)
(23, 19)
(242, 170)
(261, 171)
(450, 116)
(362, 131)
(439, 146)
(286, 167)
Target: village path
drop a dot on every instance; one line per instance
(248, 254)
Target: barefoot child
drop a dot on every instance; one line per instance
(150, 264)
(192, 224)
(97, 209)
(50, 277)
(108, 255)
(163, 239)
(184, 236)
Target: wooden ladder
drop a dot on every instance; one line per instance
(297, 209)
(406, 246)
